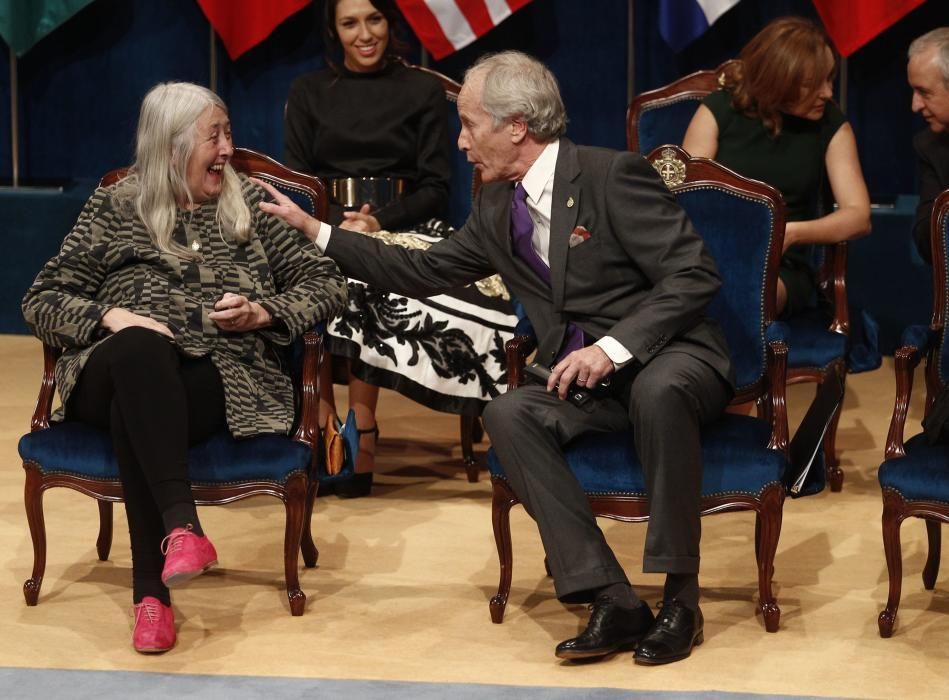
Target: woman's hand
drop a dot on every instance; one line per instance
(283, 208)
(361, 220)
(116, 319)
(236, 313)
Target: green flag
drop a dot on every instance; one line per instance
(24, 22)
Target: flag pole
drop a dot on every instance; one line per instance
(842, 77)
(424, 58)
(630, 54)
(14, 122)
(212, 60)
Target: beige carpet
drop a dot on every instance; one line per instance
(404, 578)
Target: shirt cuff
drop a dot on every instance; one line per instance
(614, 350)
(323, 237)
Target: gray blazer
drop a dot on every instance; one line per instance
(643, 276)
(932, 151)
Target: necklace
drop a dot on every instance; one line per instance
(194, 236)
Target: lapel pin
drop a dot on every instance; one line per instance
(569, 202)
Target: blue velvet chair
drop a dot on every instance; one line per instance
(223, 469)
(915, 476)
(661, 116)
(745, 457)
(818, 344)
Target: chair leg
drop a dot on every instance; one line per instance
(767, 533)
(758, 543)
(104, 540)
(501, 503)
(835, 476)
(471, 432)
(295, 504)
(893, 515)
(931, 570)
(33, 499)
(310, 553)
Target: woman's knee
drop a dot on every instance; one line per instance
(138, 347)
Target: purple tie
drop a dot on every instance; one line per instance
(522, 231)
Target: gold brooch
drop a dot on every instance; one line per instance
(195, 246)
(569, 202)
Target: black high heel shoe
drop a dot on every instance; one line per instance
(358, 485)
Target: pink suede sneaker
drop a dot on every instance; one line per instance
(154, 630)
(186, 555)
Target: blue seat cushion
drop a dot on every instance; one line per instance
(922, 475)
(78, 449)
(811, 344)
(736, 460)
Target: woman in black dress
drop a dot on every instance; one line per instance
(376, 131)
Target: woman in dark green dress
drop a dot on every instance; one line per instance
(774, 121)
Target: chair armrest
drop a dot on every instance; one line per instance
(777, 369)
(833, 282)
(920, 337)
(905, 361)
(44, 402)
(517, 350)
(308, 429)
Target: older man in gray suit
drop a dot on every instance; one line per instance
(615, 282)
(928, 75)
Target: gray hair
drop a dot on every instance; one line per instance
(165, 140)
(518, 85)
(938, 39)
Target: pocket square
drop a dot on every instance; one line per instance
(579, 235)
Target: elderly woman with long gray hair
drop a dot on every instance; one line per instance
(168, 298)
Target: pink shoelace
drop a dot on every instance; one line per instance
(173, 542)
(149, 609)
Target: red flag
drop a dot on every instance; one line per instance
(444, 26)
(852, 23)
(242, 24)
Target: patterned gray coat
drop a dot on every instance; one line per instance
(108, 260)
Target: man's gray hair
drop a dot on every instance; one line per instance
(519, 86)
(938, 39)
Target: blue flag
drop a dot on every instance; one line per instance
(683, 21)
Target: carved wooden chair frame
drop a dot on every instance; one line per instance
(896, 508)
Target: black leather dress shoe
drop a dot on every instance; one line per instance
(677, 630)
(610, 629)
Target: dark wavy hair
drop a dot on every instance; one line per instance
(397, 48)
(767, 78)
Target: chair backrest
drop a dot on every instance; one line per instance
(661, 116)
(742, 224)
(938, 370)
(307, 191)
(465, 180)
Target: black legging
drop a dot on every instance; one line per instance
(155, 403)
